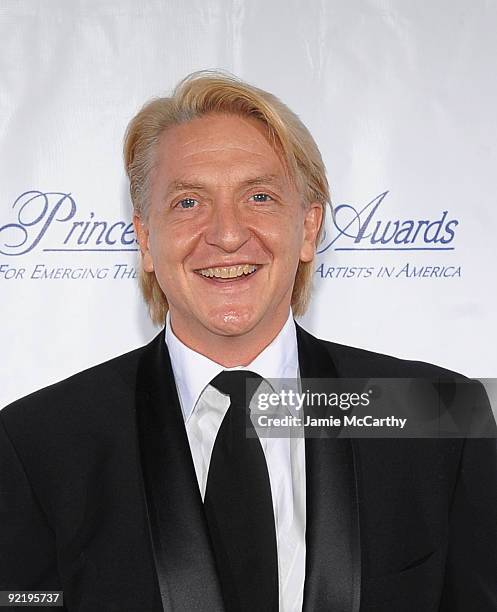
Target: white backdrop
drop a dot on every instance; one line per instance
(400, 96)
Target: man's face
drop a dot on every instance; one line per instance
(226, 229)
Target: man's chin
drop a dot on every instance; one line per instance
(232, 323)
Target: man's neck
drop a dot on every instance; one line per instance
(231, 350)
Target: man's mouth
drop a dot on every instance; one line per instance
(228, 271)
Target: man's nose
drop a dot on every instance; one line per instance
(226, 228)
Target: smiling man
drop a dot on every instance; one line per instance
(138, 485)
(224, 233)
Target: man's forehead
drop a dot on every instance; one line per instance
(216, 133)
(220, 149)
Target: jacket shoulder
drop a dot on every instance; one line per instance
(81, 396)
(357, 362)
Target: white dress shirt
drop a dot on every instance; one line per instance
(204, 407)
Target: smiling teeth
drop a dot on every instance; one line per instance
(228, 272)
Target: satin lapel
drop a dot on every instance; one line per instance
(333, 563)
(185, 565)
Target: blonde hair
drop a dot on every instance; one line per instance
(208, 92)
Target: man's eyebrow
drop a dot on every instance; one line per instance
(181, 185)
(267, 179)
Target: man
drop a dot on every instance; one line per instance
(119, 486)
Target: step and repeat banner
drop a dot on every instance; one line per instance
(400, 96)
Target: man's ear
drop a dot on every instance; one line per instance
(141, 231)
(313, 217)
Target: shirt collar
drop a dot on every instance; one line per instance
(193, 371)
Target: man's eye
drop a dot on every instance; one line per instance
(187, 203)
(261, 197)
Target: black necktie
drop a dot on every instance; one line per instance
(239, 506)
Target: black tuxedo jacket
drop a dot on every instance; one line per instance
(98, 498)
